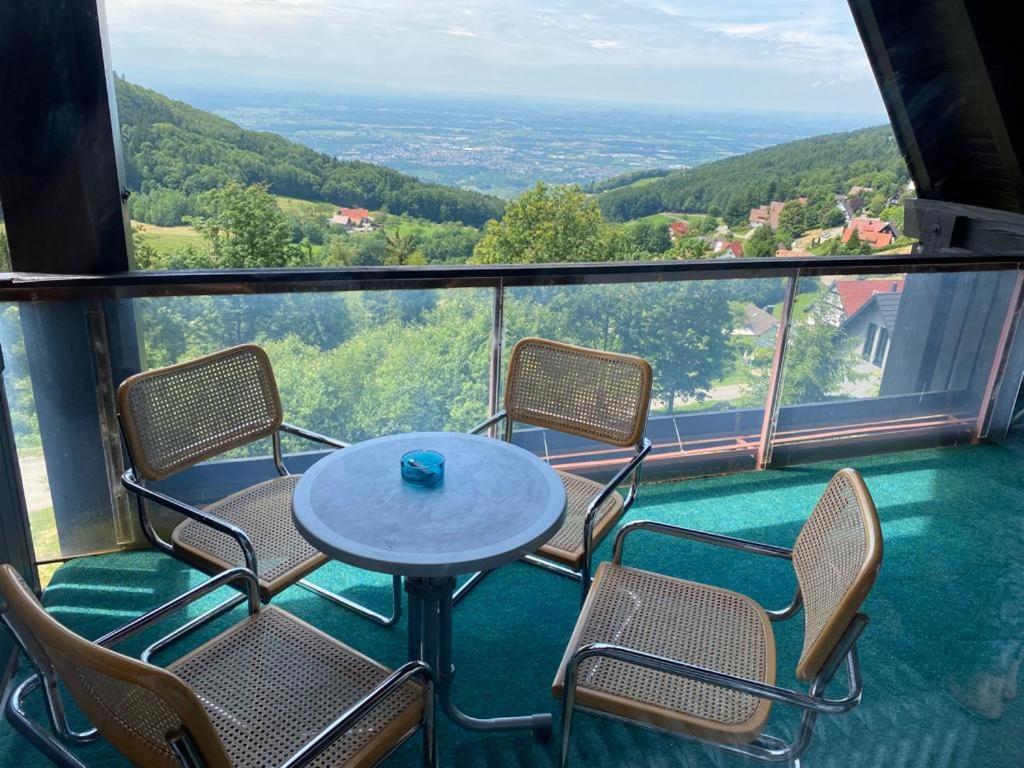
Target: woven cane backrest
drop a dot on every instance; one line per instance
(836, 557)
(135, 706)
(599, 395)
(177, 416)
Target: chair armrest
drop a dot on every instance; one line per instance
(313, 437)
(488, 423)
(633, 465)
(223, 526)
(717, 539)
(221, 579)
(756, 688)
(316, 746)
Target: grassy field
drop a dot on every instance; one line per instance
(165, 239)
(168, 238)
(667, 218)
(293, 206)
(801, 306)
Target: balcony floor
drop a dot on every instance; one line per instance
(941, 656)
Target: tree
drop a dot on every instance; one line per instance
(682, 329)
(245, 228)
(545, 224)
(792, 222)
(401, 250)
(649, 235)
(855, 245)
(693, 248)
(761, 243)
(819, 361)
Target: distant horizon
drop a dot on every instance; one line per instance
(210, 83)
(496, 143)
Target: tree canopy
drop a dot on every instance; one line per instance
(818, 167)
(174, 152)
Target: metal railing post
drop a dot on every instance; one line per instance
(1010, 322)
(771, 401)
(497, 344)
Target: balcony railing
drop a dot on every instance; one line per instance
(431, 356)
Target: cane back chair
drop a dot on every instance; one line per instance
(269, 691)
(699, 662)
(174, 417)
(603, 396)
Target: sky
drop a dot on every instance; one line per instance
(801, 55)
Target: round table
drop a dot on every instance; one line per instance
(496, 503)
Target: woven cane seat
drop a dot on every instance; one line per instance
(264, 512)
(682, 620)
(273, 682)
(597, 395)
(566, 546)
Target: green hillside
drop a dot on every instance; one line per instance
(818, 168)
(173, 152)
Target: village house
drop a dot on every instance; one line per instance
(732, 249)
(352, 218)
(844, 298)
(875, 232)
(678, 229)
(766, 215)
(787, 253)
(758, 323)
(872, 326)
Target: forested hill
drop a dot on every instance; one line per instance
(174, 151)
(816, 167)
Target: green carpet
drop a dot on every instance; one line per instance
(940, 657)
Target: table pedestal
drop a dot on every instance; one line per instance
(430, 640)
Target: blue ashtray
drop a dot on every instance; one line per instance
(423, 467)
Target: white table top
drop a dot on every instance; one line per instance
(497, 502)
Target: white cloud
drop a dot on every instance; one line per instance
(730, 53)
(459, 32)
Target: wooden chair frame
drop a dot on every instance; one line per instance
(133, 481)
(629, 471)
(55, 741)
(816, 667)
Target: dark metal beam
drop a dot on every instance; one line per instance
(948, 71)
(60, 176)
(24, 287)
(950, 226)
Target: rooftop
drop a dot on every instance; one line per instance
(940, 658)
(854, 294)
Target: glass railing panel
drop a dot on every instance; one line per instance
(352, 365)
(699, 336)
(32, 467)
(889, 358)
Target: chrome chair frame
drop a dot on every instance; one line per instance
(54, 743)
(765, 747)
(583, 575)
(142, 493)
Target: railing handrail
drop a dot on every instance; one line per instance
(28, 286)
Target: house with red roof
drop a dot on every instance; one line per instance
(768, 215)
(732, 249)
(844, 298)
(352, 218)
(680, 228)
(875, 232)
